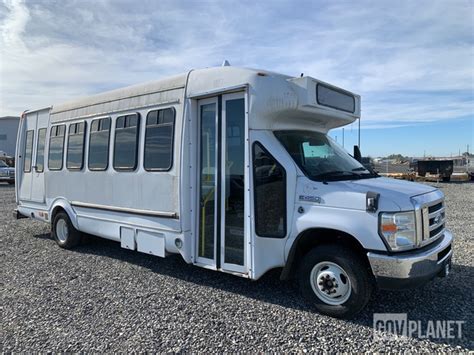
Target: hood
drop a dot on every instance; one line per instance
(398, 192)
(395, 195)
(387, 186)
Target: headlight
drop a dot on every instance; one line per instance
(398, 230)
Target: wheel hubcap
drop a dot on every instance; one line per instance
(62, 230)
(330, 283)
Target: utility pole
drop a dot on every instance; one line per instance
(358, 142)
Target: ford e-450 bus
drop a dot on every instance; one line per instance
(234, 170)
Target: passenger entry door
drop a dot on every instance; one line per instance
(223, 206)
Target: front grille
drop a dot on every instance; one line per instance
(433, 215)
(435, 208)
(436, 231)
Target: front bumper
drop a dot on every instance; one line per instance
(412, 269)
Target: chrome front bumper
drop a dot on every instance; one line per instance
(411, 269)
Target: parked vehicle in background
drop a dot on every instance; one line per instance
(233, 169)
(10, 161)
(442, 168)
(7, 173)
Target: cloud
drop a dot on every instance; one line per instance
(14, 24)
(411, 61)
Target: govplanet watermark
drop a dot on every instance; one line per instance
(397, 326)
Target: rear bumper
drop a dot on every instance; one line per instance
(409, 270)
(18, 215)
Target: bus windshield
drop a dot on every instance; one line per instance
(321, 158)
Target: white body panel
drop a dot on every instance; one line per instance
(157, 212)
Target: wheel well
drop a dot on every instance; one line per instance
(56, 210)
(311, 238)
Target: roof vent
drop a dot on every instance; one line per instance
(225, 63)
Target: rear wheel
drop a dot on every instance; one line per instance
(64, 233)
(335, 280)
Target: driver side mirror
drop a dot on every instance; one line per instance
(357, 155)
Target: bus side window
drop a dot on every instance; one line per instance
(269, 193)
(126, 142)
(159, 140)
(40, 150)
(99, 144)
(56, 147)
(75, 146)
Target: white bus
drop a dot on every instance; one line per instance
(233, 169)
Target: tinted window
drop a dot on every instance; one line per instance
(126, 142)
(75, 146)
(334, 98)
(56, 147)
(28, 151)
(159, 139)
(270, 194)
(234, 152)
(99, 144)
(40, 150)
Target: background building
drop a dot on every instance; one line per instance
(8, 130)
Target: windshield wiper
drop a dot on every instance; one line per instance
(336, 173)
(369, 173)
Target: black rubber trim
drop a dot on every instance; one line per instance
(219, 185)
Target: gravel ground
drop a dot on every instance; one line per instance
(100, 297)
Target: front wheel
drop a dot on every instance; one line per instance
(64, 233)
(335, 280)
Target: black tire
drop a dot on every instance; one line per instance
(358, 272)
(67, 240)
